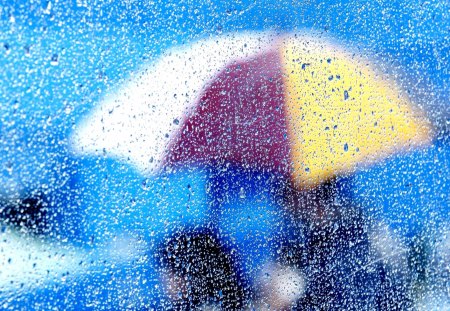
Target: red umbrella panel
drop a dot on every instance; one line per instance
(239, 118)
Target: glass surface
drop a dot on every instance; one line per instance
(242, 155)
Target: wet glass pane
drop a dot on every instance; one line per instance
(212, 155)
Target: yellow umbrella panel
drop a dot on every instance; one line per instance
(341, 113)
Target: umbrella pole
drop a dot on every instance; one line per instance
(216, 195)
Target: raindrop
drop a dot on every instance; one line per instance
(145, 186)
(176, 121)
(345, 95)
(242, 193)
(54, 60)
(345, 147)
(68, 109)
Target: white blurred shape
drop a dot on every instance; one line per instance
(280, 286)
(137, 121)
(28, 262)
(389, 247)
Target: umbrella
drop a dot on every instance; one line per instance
(299, 104)
(306, 107)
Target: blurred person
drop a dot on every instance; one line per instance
(327, 261)
(200, 273)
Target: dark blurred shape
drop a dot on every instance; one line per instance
(335, 255)
(199, 271)
(29, 213)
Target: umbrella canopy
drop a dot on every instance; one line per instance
(299, 104)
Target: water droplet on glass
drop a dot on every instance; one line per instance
(176, 121)
(242, 193)
(145, 185)
(68, 109)
(345, 95)
(345, 147)
(54, 60)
